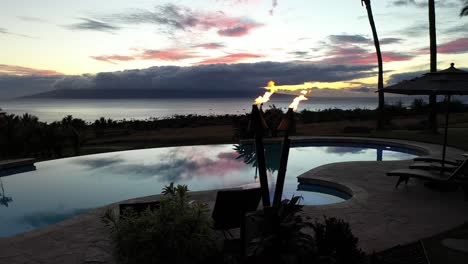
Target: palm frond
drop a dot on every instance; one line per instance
(464, 11)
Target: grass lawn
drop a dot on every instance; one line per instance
(223, 134)
(457, 132)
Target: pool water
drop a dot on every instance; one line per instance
(60, 189)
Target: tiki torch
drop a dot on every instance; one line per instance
(287, 125)
(258, 126)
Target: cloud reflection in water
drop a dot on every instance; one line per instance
(97, 163)
(176, 165)
(344, 150)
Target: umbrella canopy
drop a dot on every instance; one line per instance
(451, 81)
(448, 82)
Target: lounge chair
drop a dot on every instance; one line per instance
(437, 159)
(459, 175)
(230, 212)
(232, 205)
(435, 166)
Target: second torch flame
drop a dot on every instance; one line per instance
(297, 100)
(272, 89)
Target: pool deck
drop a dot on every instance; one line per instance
(380, 215)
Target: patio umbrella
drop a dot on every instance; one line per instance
(448, 82)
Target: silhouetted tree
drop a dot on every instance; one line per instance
(74, 126)
(272, 155)
(273, 116)
(380, 120)
(4, 200)
(3, 121)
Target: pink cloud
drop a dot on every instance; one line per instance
(113, 58)
(356, 55)
(237, 30)
(455, 46)
(370, 58)
(212, 45)
(228, 155)
(231, 58)
(451, 47)
(206, 166)
(175, 17)
(227, 26)
(18, 70)
(174, 54)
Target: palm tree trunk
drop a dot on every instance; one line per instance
(433, 51)
(380, 118)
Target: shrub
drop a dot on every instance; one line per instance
(177, 232)
(336, 242)
(283, 239)
(273, 116)
(289, 237)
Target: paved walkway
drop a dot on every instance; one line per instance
(380, 215)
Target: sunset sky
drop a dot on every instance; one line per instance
(57, 38)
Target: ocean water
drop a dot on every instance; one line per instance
(50, 110)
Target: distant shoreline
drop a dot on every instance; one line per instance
(50, 110)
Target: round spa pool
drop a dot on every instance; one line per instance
(60, 189)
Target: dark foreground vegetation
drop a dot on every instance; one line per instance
(27, 136)
(180, 231)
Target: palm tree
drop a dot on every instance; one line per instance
(464, 11)
(4, 200)
(272, 155)
(433, 51)
(379, 61)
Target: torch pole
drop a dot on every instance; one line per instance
(284, 125)
(258, 125)
(282, 170)
(260, 154)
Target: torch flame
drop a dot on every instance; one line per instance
(296, 101)
(272, 88)
(263, 99)
(266, 97)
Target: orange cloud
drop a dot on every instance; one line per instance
(18, 70)
(231, 58)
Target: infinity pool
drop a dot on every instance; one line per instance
(61, 189)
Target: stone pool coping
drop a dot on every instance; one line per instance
(380, 215)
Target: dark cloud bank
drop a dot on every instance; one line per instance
(214, 80)
(12, 86)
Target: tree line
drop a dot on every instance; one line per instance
(26, 136)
